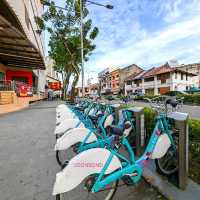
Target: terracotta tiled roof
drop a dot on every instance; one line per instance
(158, 70)
(133, 76)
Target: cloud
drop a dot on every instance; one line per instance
(146, 32)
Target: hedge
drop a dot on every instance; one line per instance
(192, 98)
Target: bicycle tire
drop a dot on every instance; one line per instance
(166, 171)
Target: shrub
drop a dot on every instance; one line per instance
(149, 118)
(192, 98)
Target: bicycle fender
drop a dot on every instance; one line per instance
(74, 136)
(109, 120)
(65, 125)
(81, 166)
(65, 117)
(64, 112)
(161, 147)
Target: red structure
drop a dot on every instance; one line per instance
(22, 76)
(55, 85)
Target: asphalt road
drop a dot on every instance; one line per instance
(28, 165)
(193, 111)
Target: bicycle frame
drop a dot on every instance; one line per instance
(133, 167)
(103, 140)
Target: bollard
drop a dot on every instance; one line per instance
(181, 123)
(139, 122)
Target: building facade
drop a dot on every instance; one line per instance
(112, 80)
(192, 68)
(115, 81)
(126, 72)
(21, 47)
(161, 80)
(105, 81)
(91, 90)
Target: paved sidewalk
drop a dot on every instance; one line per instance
(11, 108)
(19, 104)
(28, 166)
(170, 191)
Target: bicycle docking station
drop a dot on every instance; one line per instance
(138, 113)
(181, 124)
(180, 178)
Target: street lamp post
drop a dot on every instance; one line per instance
(81, 33)
(82, 55)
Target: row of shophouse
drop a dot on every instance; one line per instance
(162, 79)
(157, 80)
(22, 53)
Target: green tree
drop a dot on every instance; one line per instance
(65, 40)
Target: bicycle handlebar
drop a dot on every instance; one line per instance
(160, 104)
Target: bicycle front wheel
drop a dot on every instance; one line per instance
(81, 192)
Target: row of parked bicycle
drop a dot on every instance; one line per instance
(95, 152)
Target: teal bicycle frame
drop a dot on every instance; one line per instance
(103, 139)
(132, 167)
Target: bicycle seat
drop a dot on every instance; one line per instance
(116, 130)
(172, 102)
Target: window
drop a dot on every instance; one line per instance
(175, 75)
(117, 84)
(128, 83)
(186, 77)
(182, 76)
(149, 79)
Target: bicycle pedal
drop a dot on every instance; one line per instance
(127, 180)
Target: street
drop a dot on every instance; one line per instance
(28, 165)
(193, 111)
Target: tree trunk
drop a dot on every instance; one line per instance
(74, 83)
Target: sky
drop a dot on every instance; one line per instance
(144, 32)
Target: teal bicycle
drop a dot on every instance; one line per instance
(97, 171)
(83, 139)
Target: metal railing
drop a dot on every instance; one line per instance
(6, 85)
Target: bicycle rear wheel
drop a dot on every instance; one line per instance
(82, 192)
(168, 164)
